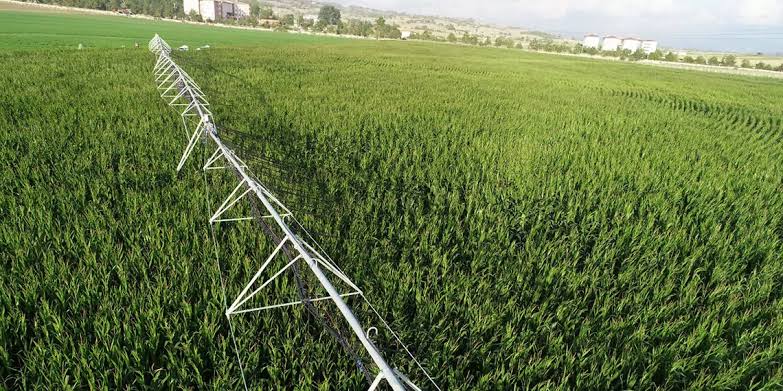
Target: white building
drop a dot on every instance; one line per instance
(405, 34)
(631, 44)
(591, 41)
(610, 43)
(214, 10)
(649, 46)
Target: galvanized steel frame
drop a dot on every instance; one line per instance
(181, 92)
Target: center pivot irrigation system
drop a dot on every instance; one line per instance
(179, 90)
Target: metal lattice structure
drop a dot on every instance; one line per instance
(278, 224)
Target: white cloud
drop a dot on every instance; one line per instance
(761, 12)
(744, 25)
(555, 9)
(752, 12)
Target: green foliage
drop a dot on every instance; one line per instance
(524, 221)
(287, 20)
(470, 39)
(383, 30)
(764, 66)
(671, 57)
(504, 41)
(329, 15)
(729, 60)
(266, 13)
(451, 38)
(639, 54)
(194, 16)
(713, 61)
(359, 28)
(255, 8)
(306, 23)
(158, 8)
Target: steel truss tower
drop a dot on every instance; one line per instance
(179, 91)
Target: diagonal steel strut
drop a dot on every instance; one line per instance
(190, 95)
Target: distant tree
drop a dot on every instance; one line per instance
(394, 32)
(503, 41)
(450, 27)
(470, 39)
(533, 45)
(518, 45)
(779, 68)
(671, 57)
(384, 30)
(591, 51)
(306, 23)
(688, 59)
(287, 20)
(639, 54)
(359, 27)
(194, 16)
(246, 21)
(330, 15)
(746, 63)
(762, 65)
(487, 42)
(713, 61)
(656, 55)
(266, 13)
(451, 38)
(255, 8)
(729, 61)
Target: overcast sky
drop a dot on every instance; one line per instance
(738, 25)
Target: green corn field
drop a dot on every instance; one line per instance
(521, 220)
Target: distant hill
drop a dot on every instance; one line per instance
(437, 25)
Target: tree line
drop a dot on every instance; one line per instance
(330, 21)
(728, 60)
(552, 46)
(160, 8)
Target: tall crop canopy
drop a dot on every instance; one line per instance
(522, 220)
